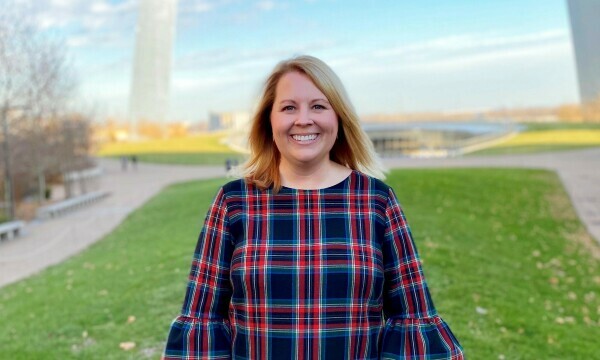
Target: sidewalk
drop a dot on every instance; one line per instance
(52, 241)
(49, 242)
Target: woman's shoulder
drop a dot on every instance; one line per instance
(235, 187)
(367, 182)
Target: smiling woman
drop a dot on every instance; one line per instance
(304, 97)
(308, 256)
(305, 128)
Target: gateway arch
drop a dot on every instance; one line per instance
(585, 30)
(150, 85)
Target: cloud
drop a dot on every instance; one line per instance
(266, 5)
(475, 43)
(451, 53)
(241, 58)
(113, 40)
(103, 7)
(207, 81)
(189, 11)
(497, 56)
(196, 6)
(203, 7)
(453, 72)
(62, 13)
(82, 22)
(63, 3)
(200, 6)
(79, 41)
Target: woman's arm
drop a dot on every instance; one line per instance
(413, 328)
(202, 329)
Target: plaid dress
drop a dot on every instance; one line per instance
(308, 274)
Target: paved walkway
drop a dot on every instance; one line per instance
(52, 241)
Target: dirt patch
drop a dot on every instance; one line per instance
(587, 243)
(561, 209)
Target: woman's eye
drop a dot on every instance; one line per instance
(288, 108)
(319, 107)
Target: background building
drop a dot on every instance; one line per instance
(232, 121)
(585, 29)
(155, 33)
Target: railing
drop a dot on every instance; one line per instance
(68, 205)
(11, 229)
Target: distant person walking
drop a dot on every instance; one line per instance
(134, 161)
(124, 162)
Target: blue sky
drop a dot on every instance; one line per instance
(392, 55)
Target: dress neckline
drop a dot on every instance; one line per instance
(340, 184)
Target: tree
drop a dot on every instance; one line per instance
(36, 82)
(591, 110)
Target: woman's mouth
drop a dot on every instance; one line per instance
(304, 138)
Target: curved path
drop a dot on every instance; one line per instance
(50, 242)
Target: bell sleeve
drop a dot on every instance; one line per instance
(413, 329)
(202, 330)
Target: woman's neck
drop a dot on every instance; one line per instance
(315, 177)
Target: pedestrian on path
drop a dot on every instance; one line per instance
(134, 161)
(309, 256)
(124, 162)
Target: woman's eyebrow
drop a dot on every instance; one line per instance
(320, 99)
(294, 101)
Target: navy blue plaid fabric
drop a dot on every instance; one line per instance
(308, 274)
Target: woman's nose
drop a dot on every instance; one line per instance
(304, 117)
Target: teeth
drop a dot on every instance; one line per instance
(305, 137)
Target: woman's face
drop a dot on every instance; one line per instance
(304, 123)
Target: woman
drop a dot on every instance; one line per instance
(308, 257)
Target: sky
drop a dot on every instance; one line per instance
(392, 56)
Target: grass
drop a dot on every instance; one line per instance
(529, 149)
(504, 241)
(548, 137)
(561, 126)
(556, 137)
(206, 149)
(205, 143)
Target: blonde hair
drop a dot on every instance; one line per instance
(352, 148)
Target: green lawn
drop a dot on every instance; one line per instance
(544, 137)
(504, 242)
(528, 149)
(202, 149)
(561, 126)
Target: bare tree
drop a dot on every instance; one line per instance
(36, 82)
(12, 91)
(48, 88)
